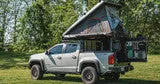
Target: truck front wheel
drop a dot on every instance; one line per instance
(89, 75)
(36, 72)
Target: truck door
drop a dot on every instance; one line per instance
(70, 58)
(136, 49)
(54, 59)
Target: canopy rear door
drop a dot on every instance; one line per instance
(136, 49)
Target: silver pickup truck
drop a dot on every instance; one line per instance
(69, 58)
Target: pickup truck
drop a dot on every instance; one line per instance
(102, 48)
(69, 58)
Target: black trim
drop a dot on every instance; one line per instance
(87, 36)
(117, 69)
(38, 61)
(138, 60)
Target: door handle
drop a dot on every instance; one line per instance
(74, 57)
(59, 57)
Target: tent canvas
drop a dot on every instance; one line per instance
(98, 21)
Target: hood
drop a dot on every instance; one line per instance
(37, 56)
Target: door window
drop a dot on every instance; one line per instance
(71, 48)
(56, 50)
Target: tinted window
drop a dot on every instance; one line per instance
(93, 45)
(71, 48)
(96, 45)
(56, 49)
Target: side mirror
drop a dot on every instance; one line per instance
(47, 52)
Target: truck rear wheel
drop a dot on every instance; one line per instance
(89, 75)
(36, 72)
(112, 76)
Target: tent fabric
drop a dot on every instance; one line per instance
(113, 21)
(95, 22)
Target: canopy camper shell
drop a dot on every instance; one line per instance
(102, 27)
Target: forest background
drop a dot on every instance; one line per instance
(35, 25)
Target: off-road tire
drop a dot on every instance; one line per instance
(36, 72)
(89, 75)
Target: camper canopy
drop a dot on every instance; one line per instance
(100, 21)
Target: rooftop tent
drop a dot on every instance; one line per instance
(100, 21)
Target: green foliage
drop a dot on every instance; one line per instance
(43, 24)
(34, 32)
(36, 24)
(143, 18)
(65, 15)
(91, 3)
(4, 13)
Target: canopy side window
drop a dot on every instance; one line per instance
(97, 45)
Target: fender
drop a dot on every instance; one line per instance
(89, 61)
(40, 61)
